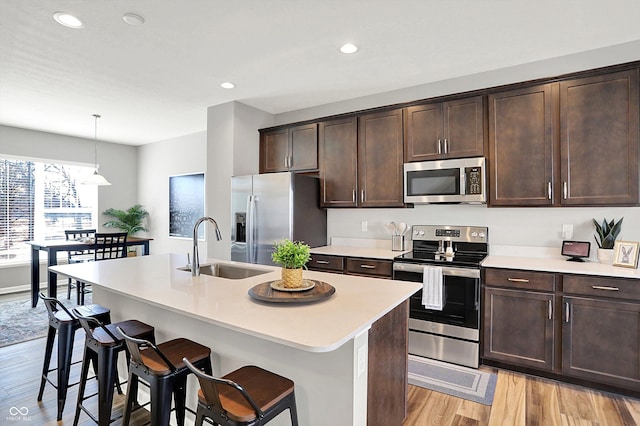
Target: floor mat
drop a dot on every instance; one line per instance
(462, 382)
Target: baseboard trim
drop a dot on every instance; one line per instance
(27, 287)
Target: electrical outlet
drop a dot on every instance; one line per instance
(567, 232)
(364, 226)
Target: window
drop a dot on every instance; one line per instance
(38, 201)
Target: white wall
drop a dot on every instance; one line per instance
(156, 162)
(117, 163)
(228, 148)
(532, 227)
(232, 150)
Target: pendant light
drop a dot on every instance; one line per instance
(95, 178)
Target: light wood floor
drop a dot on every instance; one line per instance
(519, 399)
(524, 400)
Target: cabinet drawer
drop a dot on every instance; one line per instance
(323, 262)
(615, 288)
(514, 278)
(361, 266)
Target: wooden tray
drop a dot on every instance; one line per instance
(265, 293)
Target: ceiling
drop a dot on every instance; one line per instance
(155, 81)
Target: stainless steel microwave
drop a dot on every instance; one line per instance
(461, 180)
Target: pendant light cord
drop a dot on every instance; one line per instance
(95, 143)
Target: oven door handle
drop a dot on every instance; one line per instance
(447, 271)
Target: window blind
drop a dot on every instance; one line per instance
(38, 201)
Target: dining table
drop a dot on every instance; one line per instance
(52, 248)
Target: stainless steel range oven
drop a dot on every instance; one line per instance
(453, 333)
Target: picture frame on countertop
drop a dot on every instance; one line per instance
(625, 253)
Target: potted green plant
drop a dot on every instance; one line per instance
(130, 221)
(293, 257)
(606, 235)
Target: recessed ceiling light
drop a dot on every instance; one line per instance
(68, 20)
(133, 19)
(227, 85)
(349, 48)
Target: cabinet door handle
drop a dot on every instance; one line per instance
(368, 266)
(286, 162)
(603, 287)
(362, 197)
(550, 309)
(549, 190)
(566, 314)
(446, 147)
(518, 280)
(439, 146)
(322, 262)
(565, 190)
(290, 161)
(353, 196)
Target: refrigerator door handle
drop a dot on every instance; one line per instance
(251, 229)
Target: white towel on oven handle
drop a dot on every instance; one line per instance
(432, 291)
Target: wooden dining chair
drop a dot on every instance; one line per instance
(78, 256)
(248, 396)
(107, 246)
(110, 245)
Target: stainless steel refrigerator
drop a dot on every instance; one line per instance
(269, 207)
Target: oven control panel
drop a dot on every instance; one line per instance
(447, 233)
(471, 234)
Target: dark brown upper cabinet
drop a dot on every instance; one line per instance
(289, 149)
(521, 147)
(451, 129)
(361, 161)
(568, 143)
(380, 159)
(338, 155)
(599, 139)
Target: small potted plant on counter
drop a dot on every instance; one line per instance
(606, 234)
(293, 257)
(129, 221)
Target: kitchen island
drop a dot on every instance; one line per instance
(326, 347)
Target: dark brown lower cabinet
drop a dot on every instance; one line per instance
(601, 341)
(387, 385)
(365, 267)
(519, 327)
(387, 368)
(580, 328)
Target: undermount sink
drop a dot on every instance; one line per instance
(231, 272)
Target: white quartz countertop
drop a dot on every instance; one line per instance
(353, 251)
(559, 265)
(315, 327)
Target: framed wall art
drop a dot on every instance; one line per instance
(625, 253)
(186, 204)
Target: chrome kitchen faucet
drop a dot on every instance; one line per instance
(195, 267)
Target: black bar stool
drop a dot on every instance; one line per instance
(102, 345)
(247, 396)
(163, 369)
(65, 324)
